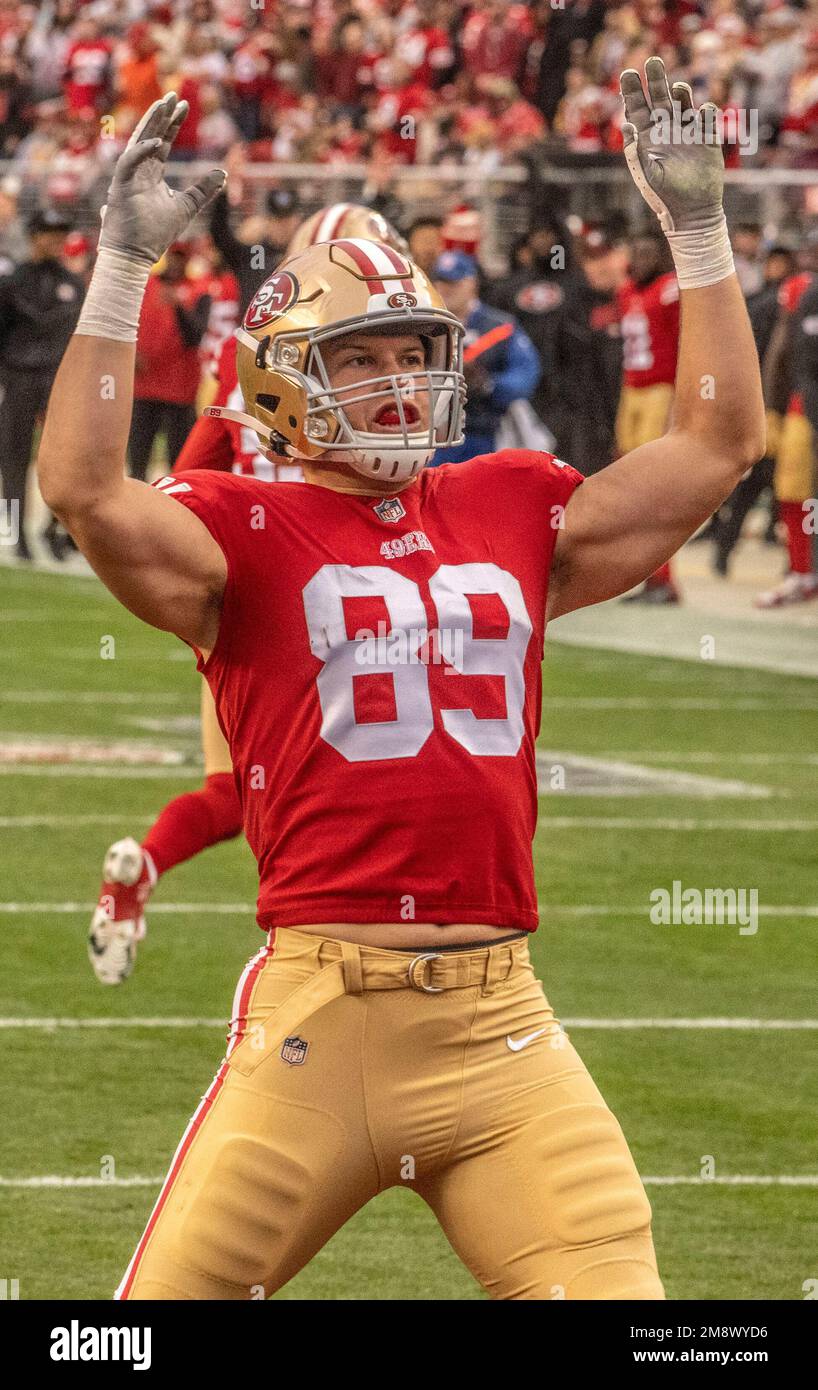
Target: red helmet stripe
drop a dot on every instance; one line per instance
(399, 262)
(364, 264)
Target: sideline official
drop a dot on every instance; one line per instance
(40, 303)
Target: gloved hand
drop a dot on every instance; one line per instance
(675, 159)
(143, 216)
(673, 150)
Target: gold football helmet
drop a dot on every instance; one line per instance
(346, 220)
(328, 290)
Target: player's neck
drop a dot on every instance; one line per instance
(341, 477)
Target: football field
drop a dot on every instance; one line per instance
(702, 1037)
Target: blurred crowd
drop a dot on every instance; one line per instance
(466, 82)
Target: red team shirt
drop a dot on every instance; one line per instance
(226, 445)
(374, 789)
(649, 320)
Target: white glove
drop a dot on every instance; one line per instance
(141, 219)
(675, 159)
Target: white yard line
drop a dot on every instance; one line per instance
(67, 822)
(53, 1180)
(547, 822)
(93, 697)
(770, 704)
(800, 910)
(102, 770)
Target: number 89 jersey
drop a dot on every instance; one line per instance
(377, 677)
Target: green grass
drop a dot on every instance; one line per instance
(72, 1101)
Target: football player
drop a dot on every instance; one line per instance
(391, 1030)
(649, 322)
(194, 821)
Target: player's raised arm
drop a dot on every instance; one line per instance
(157, 557)
(628, 519)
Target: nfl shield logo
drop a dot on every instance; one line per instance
(390, 509)
(294, 1051)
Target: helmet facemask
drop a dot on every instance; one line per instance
(394, 457)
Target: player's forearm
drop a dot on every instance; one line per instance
(719, 402)
(83, 448)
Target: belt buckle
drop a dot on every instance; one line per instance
(427, 989)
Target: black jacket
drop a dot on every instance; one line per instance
(250, 264)
(40, 303)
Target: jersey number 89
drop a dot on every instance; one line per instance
(404, 736)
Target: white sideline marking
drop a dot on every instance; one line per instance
(547, 822)
(740, 1024)
(60, 822)
(50, 1024)
(798, 910)
(58, 750)
(770, 704)
(594, 776)
(94, 697)
(674, 1180)
(218, 909)
(102, 770)
(686, 755)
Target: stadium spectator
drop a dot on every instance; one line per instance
(500, 363)
(173, 322)
(137, 76)
(87, 76)
(425, 240)
(40, 303)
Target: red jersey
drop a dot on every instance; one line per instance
(86, 73)
(166, 369)
(377, 674)
(790, 293)
(649, 316)
(226, 446)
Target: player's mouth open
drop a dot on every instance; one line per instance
(388, 417)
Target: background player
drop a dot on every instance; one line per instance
(649, 321)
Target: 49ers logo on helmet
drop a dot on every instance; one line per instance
(273, 299)
(402, 299)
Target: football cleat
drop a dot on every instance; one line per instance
(654, 594)
(118, 923)
(796, 588)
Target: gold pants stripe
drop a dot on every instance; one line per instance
(351, 1070)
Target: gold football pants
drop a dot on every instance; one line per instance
(642, 415)
(353, 1069)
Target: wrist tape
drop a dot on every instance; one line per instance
(114, 298)
(702, 257)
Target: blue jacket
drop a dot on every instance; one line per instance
(512, 365)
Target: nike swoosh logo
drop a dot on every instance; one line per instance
(523, 1042)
